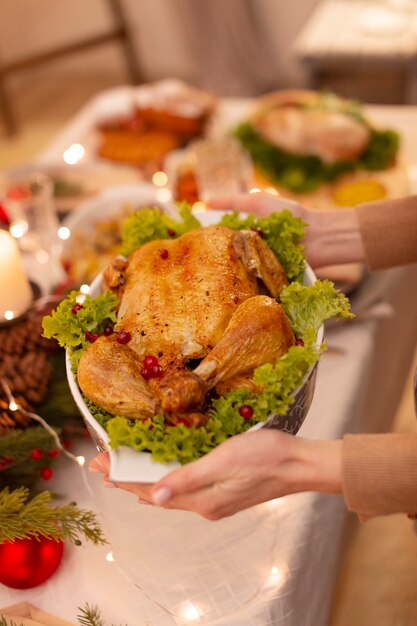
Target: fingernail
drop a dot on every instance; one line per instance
(142, 501)
(162, 495)
(108, 484)
(95, 469)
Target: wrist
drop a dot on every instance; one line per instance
(314, 465)
(337, 237)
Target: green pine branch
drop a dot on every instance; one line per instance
(21, 518)
(90, 616)
(4, 622)
(19, 444)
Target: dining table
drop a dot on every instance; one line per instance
(276, 563)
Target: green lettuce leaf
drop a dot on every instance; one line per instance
(308, 307)
(69, 328)
(150, 223)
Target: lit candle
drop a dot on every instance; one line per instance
(15, 291)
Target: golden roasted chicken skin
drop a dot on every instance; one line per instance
(206, 296)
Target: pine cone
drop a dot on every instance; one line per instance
(10, 420)
(24, 367)
(23, 337)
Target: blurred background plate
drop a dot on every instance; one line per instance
(95, 227)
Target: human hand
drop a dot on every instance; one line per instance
(243, 471)
(331, 236)
(101, 464)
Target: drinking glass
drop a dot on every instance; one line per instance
(222, 168)
(29, 204)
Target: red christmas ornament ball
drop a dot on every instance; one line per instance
(26, 563)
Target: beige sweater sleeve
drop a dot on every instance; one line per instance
(389, 232)
(380, 473)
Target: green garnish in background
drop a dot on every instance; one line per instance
(306, 307)
(305, 173)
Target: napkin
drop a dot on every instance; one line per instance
(24, 614)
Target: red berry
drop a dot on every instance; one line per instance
(299, 342)
(183, 421)
(150, 361)
(67, 443)
(146, 373)
(108, 330)
(91, 337)
(7, 460)
(171, 232)
(36, 454)
(46, 473)
(76, 307)
(164, 254)
(53, 453)
(156, 371)
(123, 336)
(246, 412)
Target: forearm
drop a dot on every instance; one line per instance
(380, 473)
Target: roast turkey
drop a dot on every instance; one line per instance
(205, 306)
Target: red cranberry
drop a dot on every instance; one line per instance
(150, 360)
(36, 454)
(67, 443)
(91, 337)
(108, 330)
(171, 232)
(164, 254)
(46, 473)
(156, 371)
(153, 371)
(246, 412)
(7, 460)
(76, 308)
(123, 336)
(299, 342)
(146, 373)
(183, 421)
(53, 453)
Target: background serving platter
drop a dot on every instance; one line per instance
(128, 465)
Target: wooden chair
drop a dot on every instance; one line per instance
(120, 32)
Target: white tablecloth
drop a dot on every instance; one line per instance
(274, 564)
